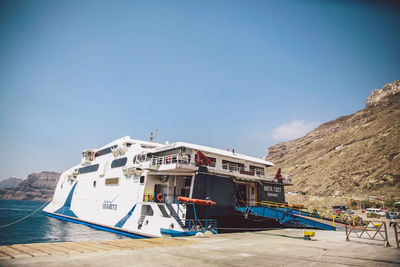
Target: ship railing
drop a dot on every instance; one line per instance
(186, 159)
(237, 169)
(232, 167)
(286, 178)
(168, 159)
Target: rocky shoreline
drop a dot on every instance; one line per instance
(36, 187)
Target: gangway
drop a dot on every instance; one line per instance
(287, 216)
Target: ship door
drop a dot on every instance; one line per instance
(241, 194)
(253, 194)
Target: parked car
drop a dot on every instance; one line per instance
(375, 213)
(342, 209)
(391, 215)
(349, 212)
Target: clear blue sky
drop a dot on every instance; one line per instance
(238, 74)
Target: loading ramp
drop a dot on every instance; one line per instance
(288, 216)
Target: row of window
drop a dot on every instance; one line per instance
(122, 162)
(230, 165)
(93, 168)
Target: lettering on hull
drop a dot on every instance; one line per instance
(107, 205)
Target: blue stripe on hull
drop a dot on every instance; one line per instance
(66, 208)
(125, 218)
(95, 226)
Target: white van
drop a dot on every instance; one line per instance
(375, 211)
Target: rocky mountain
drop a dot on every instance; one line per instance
(355, 155)
(10, 182)
(36, 187)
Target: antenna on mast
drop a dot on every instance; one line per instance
(153, 136)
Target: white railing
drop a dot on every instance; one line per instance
(169, 159)
(236, 168)
(287, 178)
(181, 159)
(259, 172)
(232, 167)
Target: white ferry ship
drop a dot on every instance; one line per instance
(147, 189)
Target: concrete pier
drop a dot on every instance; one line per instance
(266, 248)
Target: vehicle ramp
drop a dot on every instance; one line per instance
(287, 216)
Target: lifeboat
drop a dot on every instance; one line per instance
(201, 202)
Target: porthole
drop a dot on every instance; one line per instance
(94, 183)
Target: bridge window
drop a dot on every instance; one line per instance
(104, 151)
(258, 171)
(232, 166)
(90, 168)
(118, 162)
(213, 161)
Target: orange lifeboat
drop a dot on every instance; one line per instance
(201, 202)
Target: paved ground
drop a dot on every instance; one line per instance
(267, 248)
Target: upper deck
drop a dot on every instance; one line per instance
(182, 158)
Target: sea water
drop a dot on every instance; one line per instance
(40, 228)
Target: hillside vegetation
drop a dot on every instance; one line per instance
(354, 156)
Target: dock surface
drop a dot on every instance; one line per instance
(278, 247)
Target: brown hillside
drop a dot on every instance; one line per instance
(355, 155)
(36, 187)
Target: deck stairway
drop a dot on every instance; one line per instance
(288, 216)
(174, 214)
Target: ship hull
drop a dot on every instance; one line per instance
(132, 187)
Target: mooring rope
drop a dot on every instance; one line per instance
(17, 221)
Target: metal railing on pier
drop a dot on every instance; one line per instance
(396, 228)
(327, 215)
(373, 230)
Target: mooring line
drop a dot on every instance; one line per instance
(17, 221)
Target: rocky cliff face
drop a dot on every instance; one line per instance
(355, 155)
(10, 182)
(36, 187)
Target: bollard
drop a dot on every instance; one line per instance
(308, 235)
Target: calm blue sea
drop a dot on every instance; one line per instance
(40, 228)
